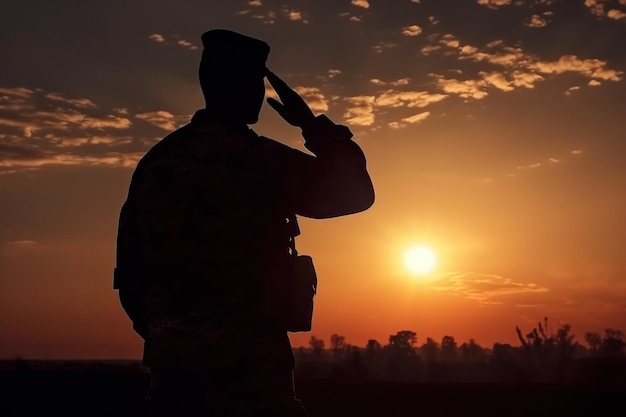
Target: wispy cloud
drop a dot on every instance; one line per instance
(616, 14)
(485, 288)
(395, 83)
(420, 99)
(596, 7)
(361, 110)
(416, 118)
(163, 119)
(361, 3)
(333, 72)
(158, 38)
(268, 18)
(77, 102)
(314, 98)
(350, 16)
(536, 21)
(553, 160)
(474, 89)
(604, 8)
(518, 69)
(381, 46)
(412, 30)
(294, 15)
(43, 128)
(16, 92)
(494, 4)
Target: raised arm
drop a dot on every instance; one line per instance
(335, 181)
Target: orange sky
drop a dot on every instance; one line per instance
(494, 134)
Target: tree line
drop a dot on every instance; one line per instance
(542, 355)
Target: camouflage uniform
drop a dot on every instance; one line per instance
(203, 243)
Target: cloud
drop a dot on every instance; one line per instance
(268, 18)
(520, 69)
(494, 4)
(596, 7)
(594, 83)
(506, 56)
(525, 79)
(396, 83)
(536, 21)
(112, 159)
(17, 92)
(616, 14)
(498, 80)
(163, 119)
(314, 98)
(332, 73)
(450, 41)
(294, 15)
(361, 111)
(350, 17)
(485, 288)
(382, 45)
(416, 118)
(42, 128)
(428, 49)
(570, 90)
(412, 30)
(255, 3)
(361, 3)
(419, 99)
(186, 44)
(466, 89)
(78, 102)
(157, 38)
(593, 68)
(551, 160)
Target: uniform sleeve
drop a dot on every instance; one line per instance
(335, 181)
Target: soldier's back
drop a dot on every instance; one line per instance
(210, 206)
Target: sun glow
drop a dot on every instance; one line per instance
(420, 260)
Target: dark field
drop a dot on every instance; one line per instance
(89, 392)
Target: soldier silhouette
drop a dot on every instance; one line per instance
(205, 247)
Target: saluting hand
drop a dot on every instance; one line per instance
(293, 108)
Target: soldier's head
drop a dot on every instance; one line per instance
(231, 73)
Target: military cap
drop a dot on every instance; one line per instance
(226, 51)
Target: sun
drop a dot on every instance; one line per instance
(420, 260)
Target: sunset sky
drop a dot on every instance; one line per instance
(495, 133)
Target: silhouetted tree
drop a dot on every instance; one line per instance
(317, 345)
(472, 352)
(594, 340)
(374, 357)
(403, 339)
(337, 344)
(613, 343)
(373, 345)
(401, 356)
(430, 350)
(448, 349)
